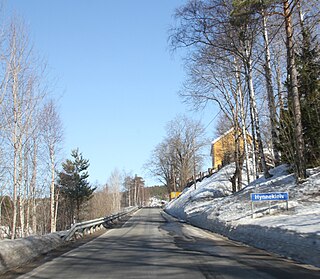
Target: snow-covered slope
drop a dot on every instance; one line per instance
(294, 233)
(14, 253)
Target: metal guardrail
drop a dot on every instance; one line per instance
(91, 225)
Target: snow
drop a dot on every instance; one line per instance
(294, 233)
(18, 252)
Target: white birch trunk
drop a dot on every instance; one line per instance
(52, 191)
(248, 66)
(56, 209)
(33, 187)
(14, 139)
(243, 122)
(271, 101)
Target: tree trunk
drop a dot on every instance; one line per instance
(129, 195)
(293, 94)
(248, 68)
(15, 151)
(236, 180)
(1, 201)
(56, 208)
(255, 163)
(135, 192)
(26, 194)
(14, 199)
(243, 121)
(20, 190)
(194, 163)
(235, 114)
(78, 211)
(271, 101)
(279, 83)
(52, 192)
(33, 187)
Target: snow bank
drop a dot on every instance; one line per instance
(217, 185)
(14, 253)
(294, 233)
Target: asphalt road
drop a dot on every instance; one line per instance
(148, 246)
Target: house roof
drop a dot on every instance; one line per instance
(226, 133)
(222, 136)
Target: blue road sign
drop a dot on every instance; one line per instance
(276, 196)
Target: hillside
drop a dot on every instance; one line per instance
(294, 233)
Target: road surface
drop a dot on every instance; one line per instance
(148, 246)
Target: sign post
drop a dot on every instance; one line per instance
(274, 196)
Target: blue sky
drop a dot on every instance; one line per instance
(117, 80)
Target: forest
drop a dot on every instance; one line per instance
(258, 61)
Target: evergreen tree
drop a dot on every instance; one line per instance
(309, 88)
(73, 183)
(286, 143)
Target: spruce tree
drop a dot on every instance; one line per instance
(73, 183)
(308, 59)
(286, 143)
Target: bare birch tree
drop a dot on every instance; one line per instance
(176, 158)
(208, 27)
(114, 185)
(22, 96)
(162, 165)
(52, 134)
(17, 64)
(100, 204)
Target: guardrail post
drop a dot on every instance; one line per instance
(252, 212)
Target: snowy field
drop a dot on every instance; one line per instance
(293, 233)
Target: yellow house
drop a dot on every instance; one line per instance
(174, 195)
(223, 148)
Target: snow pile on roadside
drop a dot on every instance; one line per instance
(294, 233)
(17, 252)
(217, 185)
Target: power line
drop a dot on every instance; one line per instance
(212, 119)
